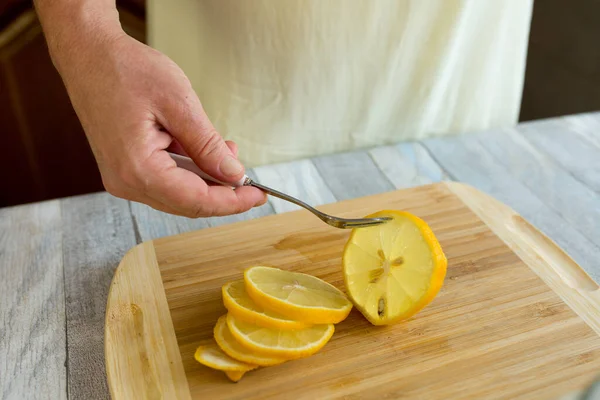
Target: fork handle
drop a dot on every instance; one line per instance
(189, 164)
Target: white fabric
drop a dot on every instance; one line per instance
(288, 79)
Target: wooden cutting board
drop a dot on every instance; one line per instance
(516, 318)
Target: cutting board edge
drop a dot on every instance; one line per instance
(548, 260)
(137, 287)
(141, 353)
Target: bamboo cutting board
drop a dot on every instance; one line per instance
(516, 317)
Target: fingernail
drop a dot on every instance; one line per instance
(231, 167)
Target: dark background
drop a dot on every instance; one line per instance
(44, 153)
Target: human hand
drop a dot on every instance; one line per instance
(134, 104)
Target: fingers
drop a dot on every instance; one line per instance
(190, 195)
(138, 197)
(232, 147)
(175, 147)
(160, 206)
(186, 120)
(159, 183)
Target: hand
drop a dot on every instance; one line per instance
(134, 103)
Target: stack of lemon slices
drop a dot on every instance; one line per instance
(391, 272)
(272, 316)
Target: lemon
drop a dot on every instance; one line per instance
(289, 344)
(212, 356)
(395, 269)
(298, 296)
(238, 303)
(234, 376)
(232, 348)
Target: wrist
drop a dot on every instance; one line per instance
(74, 29)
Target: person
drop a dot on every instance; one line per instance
(283, 79)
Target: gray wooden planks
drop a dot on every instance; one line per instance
(407, 165)
(351, 175)
(299, 179)
(97, 232)
(547, 171)
(152, 224)
(468, 161)
(574, 201)
(571, 151)
(32, 303)
(425, 165)
(585, 125)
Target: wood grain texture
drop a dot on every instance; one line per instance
(407, 165)
(152, 224)
(350, 175)
(468, 161)
(585, 125)
(543, 256)
(572, 152)
(32, 303)
(97, 232)
(496, 330)
(145, 361)
(299, 179)
(546, 180)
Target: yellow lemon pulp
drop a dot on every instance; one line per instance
(234, 349)
(279, 343)
(395, 269)
(238, 303)
(298, 296)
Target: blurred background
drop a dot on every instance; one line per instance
(44, 153)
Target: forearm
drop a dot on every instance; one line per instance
(72, 27)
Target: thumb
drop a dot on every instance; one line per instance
(190, 125)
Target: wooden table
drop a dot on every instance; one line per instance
(57, 258)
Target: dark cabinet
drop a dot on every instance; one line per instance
(563, 59)
(43, 150)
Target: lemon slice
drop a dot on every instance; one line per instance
(298, 296)
(212, 356)
(395, 269)
(280, 343)
(238, 303)
(232, 348)
(234, 376)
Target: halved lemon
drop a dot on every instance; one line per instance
(212, 356)
(280, 343)
(232, 348)
(298, 296)
(395, 269)
(238, 303)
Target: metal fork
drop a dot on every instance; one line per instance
(337, 222)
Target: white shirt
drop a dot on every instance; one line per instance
(289, 79)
